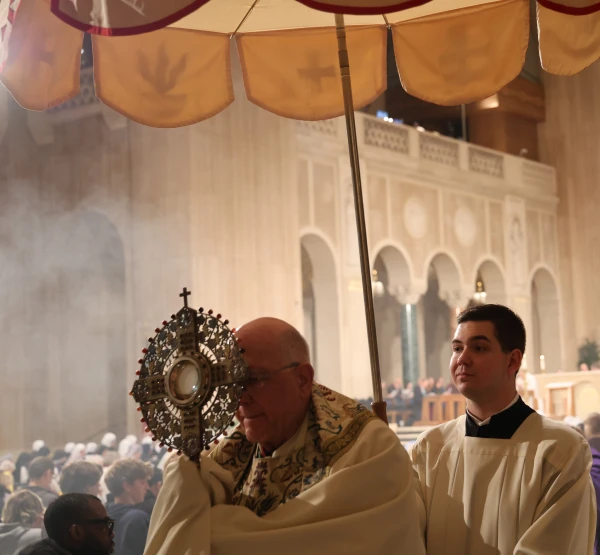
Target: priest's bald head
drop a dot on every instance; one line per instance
(487, 351)
(276, 399)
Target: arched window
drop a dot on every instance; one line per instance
(545, 338)
(321, 310)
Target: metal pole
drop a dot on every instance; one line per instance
(379, 405)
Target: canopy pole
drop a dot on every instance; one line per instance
(379, 405)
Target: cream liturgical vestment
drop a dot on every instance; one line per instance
(342, 485)
(519, 485)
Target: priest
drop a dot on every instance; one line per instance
(501, 479)
(308, 470)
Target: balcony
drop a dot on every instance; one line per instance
(404, 149)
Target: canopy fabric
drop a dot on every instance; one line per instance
(40, 56)
(485, 53)
(129, 17)
(286, 81)
(572, 7)
(568, 43)
(362, 7)
(448, 52)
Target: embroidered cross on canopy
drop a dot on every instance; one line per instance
(167, 64)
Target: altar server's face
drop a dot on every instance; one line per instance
(480, 369)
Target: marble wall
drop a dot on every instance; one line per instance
(433, 201)
(223, 207)
(569, 141)
(211, 207)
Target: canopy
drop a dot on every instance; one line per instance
(448, 52)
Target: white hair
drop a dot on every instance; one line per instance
(134, 449)
(125, 443)
(78, 453)
(38, 444)
(109, 440)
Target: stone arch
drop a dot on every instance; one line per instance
(545, 337)
(86, 303)
(444, 296)
(398, 267)
(323, 327)
(450, 277)
(389, 298)
(494, 281)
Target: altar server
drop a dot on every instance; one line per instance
(502, 479)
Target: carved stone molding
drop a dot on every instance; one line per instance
(515, 230)
(416, 219)
(386, 135)
(486, 162)
(436, 149)
(322, 127)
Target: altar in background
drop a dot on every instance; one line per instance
(569, 393)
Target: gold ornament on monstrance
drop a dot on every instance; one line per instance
(190, 380)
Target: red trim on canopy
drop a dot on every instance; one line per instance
(569, 10)
(125, 31)
(367, 10)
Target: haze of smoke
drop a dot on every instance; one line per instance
(62, 315)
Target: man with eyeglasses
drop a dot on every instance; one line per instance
(307, 470)
(76, 524)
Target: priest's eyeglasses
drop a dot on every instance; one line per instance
(108, 523)
(258, 377)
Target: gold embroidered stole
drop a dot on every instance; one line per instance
(263, 483)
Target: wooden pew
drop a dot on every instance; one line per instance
(395, 415)
(438, 409)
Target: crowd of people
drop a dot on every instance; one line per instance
(309, 470)
(124, 477)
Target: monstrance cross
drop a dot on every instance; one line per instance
(185, 294)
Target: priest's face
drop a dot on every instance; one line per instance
(480, 370)
(275, 401)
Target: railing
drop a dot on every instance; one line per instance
(382, 138)
(380, 134)
(378, 139)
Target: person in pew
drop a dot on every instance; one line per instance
(501, 479)
(440, 386)
(417, 401)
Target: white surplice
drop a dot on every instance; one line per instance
(528, 495)
(366, 505)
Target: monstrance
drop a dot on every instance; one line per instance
(190, 380)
